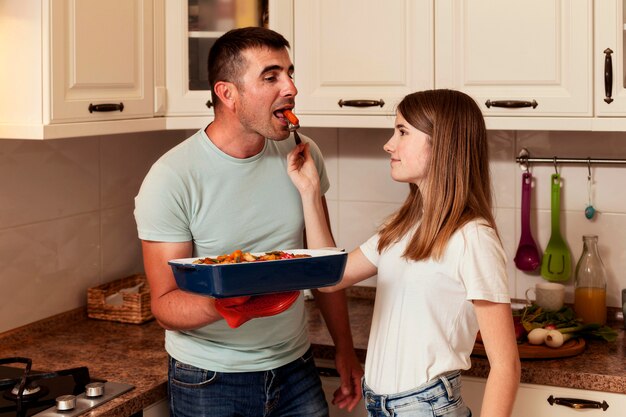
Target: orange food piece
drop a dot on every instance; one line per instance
(291, 117)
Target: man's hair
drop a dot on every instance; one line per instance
(226, 61)
(458, 186)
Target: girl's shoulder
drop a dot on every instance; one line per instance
(476, 232)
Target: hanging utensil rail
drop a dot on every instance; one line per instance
(524, 159)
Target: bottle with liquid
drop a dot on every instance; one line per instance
(590, 284)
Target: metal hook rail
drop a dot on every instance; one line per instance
(524, 159)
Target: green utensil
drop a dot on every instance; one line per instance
(556, 262)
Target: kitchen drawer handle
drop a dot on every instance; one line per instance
(608, 75)
(577, 403)
(106, 107)
(511, 104)
(209, 104)
(361, 103)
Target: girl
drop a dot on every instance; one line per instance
(440, 265)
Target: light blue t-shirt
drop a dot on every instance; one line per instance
(197, 192)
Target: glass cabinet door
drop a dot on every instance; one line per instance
(210, 19)
(191, 28)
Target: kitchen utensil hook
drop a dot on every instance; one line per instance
(523, 160)
(589, 169)
(556, 169)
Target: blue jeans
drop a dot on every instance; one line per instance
(440, 397)
(291, 390)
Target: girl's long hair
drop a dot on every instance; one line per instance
(458, 186)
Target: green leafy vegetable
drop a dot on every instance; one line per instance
(563, 320)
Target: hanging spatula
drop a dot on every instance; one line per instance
(556, 263)
(527, 257)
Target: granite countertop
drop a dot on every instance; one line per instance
(134, 354)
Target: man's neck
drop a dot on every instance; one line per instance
(233, 140)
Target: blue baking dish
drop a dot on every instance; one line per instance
(324, 268)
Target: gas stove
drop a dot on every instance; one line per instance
(66, 392)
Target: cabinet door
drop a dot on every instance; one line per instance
(543, 400)
(517, 53)
(610, 57)
(100, 54)
(368, 51)
(191, 28)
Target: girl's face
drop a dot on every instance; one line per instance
(410, 151)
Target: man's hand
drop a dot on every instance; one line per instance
(238, 310)
(350, 372)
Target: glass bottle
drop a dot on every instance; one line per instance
(590, 284)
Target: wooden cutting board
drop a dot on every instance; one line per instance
(572, 347)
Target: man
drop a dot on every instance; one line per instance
(227, 188)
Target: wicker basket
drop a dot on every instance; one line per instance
(135, 307)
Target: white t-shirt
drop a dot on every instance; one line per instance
(424, 323)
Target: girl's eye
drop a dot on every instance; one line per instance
(402, 132)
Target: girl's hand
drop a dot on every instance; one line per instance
(302, 170)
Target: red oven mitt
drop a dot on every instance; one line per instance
(238, 310)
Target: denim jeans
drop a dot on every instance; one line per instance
(293, 390)
(440, 397)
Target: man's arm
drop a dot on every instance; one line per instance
(173, 308)
(334, 309)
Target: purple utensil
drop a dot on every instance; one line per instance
(527, 257)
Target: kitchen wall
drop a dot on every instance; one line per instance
(66, 220)
(362, 194)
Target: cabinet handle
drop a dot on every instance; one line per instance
(209, 104)
(608, 75)
(106, 107)
(577, 403)
(511, 104)
(361, 103)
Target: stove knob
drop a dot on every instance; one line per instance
(66, 402)
(94, 389)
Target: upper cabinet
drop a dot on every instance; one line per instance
(528, 65)
(530, 58)
(192, 26)
(72, 67)
(610, 58)
(357, 57)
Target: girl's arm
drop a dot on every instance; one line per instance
(304, 176)
(496, 329)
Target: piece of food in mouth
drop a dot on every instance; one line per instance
(239, 256)
(291, 117)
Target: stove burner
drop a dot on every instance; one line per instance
(24, 393)
(31, 392)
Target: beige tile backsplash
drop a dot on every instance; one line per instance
(66, 220)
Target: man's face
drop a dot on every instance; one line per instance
(265, 89)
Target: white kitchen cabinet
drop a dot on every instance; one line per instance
(542, 400)
(610, 58)
(191, 27)
(71, 67)
(359, 58)
(530, 58)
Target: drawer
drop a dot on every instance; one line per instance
(546, 401)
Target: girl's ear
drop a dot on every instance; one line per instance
(226, 91)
